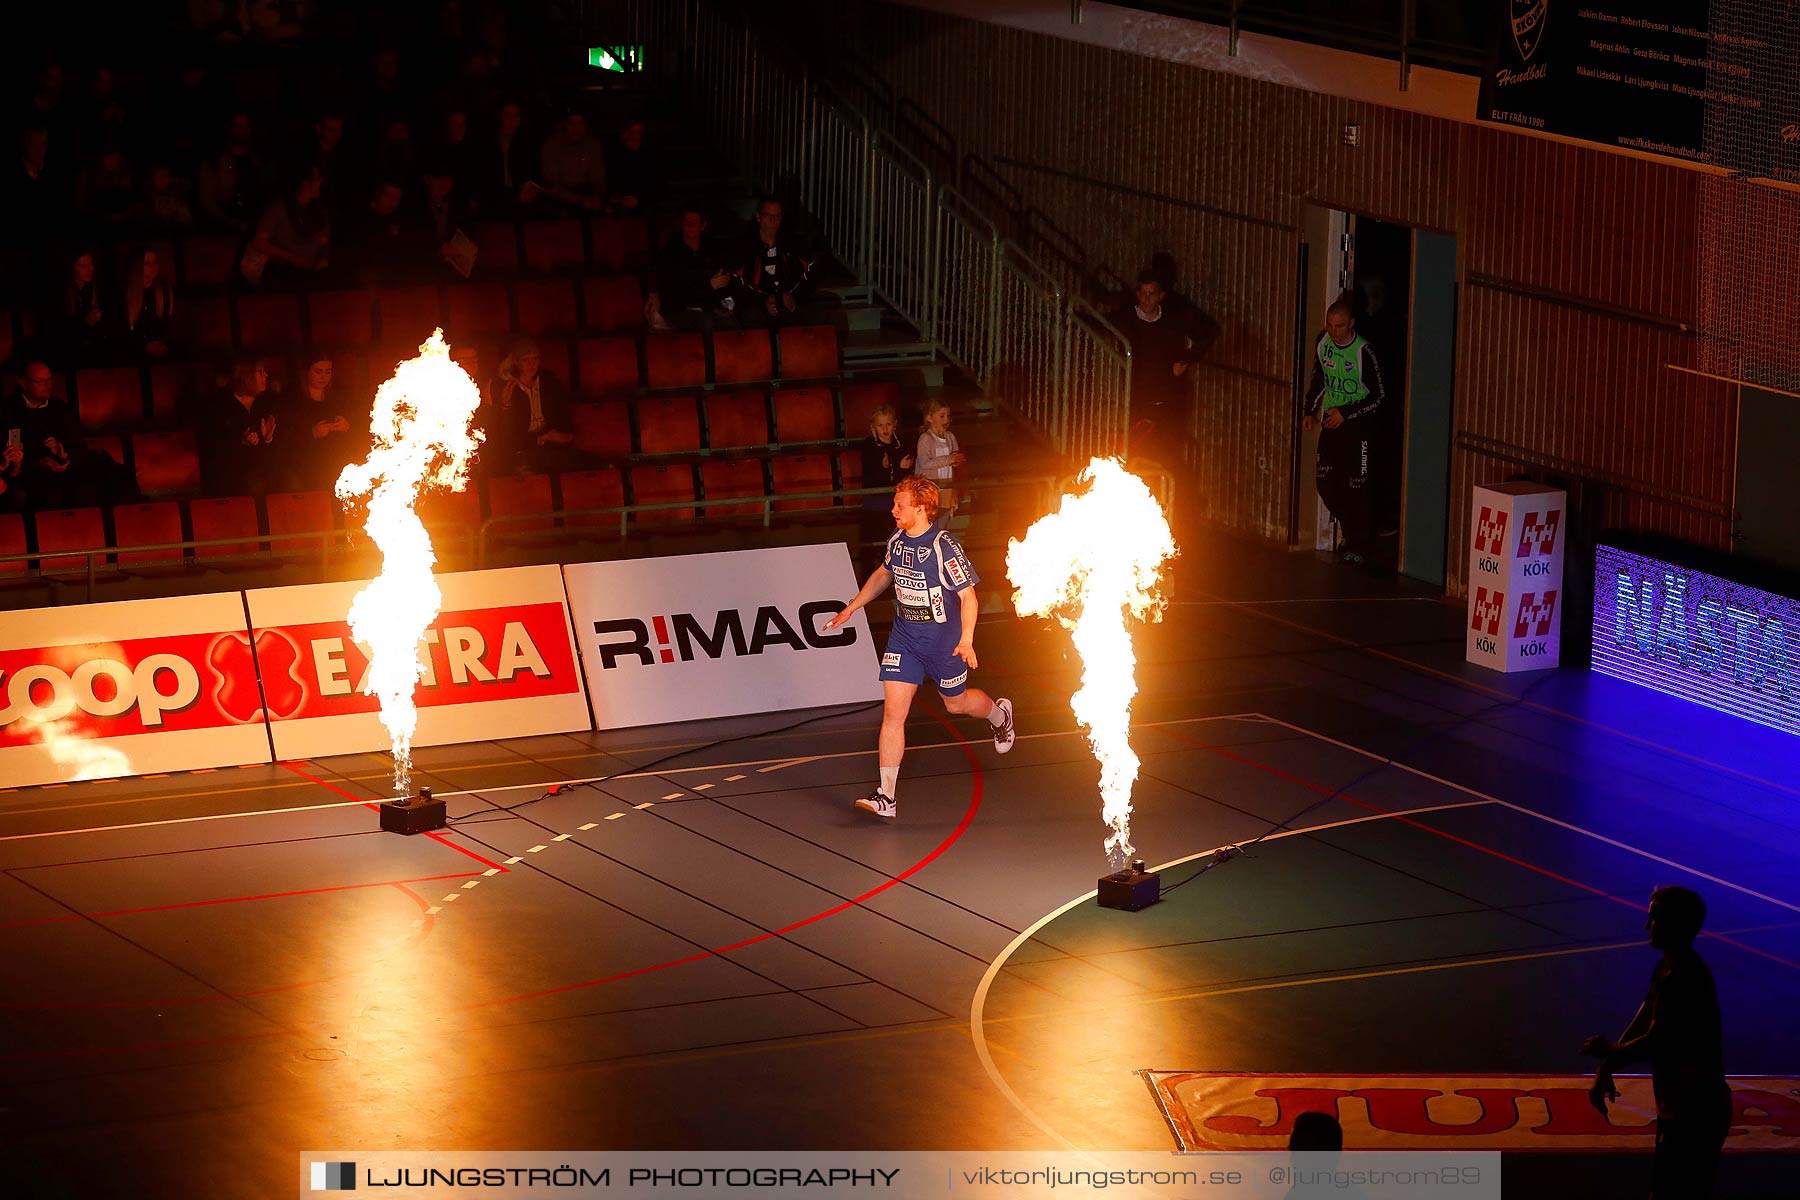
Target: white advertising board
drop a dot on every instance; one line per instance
(715, 635)
(96, 691)
(1516, 536)
(500, 662)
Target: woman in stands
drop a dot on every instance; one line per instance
(885, 462)
(331, 429)
(246, 443)
(79, 317)
(149, 306)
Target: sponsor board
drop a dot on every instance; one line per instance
(499, 662)
(1515, 574)
(1226, 1111)
(715, 635)
(96, 691)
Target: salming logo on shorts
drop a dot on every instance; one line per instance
(957, 682)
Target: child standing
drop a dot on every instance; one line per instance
(885, 462)
(939, 453)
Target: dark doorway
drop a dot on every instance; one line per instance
(1382, 295)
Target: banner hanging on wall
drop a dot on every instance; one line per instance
(716, 635)
(96, 691)
(500, 662)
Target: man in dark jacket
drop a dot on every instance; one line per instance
(528, 418)
(690, 288)
(1162, 347)
(773, 276)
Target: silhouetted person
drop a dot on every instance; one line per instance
(1345, 394)
(1677, 1030)
(1162, 348)
(1318, 1136)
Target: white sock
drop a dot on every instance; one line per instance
(890, 782)
(997, 715)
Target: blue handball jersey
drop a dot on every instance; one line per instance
(925, 568)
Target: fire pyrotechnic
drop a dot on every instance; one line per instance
(1090, 564)
(421, 436)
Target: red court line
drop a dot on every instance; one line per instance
(961, 828)
(150, 908)
(372, 806)
(1462, 841)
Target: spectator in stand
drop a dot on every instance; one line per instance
(530, 426)
(243, 439)
(1162, 348)
(773, 276)
(503, 165)
(456, 154)
(231, 181)
(446, 214)
(293, 239)
(149, 306)
(327, 156)
(56, 468)
(166, 205)
(473, 90)
(105, 193)
(44, 109)
(632, 173)
(78, 325)
(572, 168)
(394, 156)
(690, 288)
(12, 462)
(885, 462)
(939, 452)
(34, 195)
(332, 430)
(386, 248)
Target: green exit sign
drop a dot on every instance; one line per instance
(623, 59)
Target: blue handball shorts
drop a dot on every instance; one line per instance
(917, 652)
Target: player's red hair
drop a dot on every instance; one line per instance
(924, 494)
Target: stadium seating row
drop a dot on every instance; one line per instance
(168, 463)
(127, 398)
(242, 525)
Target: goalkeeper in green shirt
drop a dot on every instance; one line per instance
(1345, 392)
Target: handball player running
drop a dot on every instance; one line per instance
(933, 637)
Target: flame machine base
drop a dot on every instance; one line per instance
(414, 814)
(1130, 889)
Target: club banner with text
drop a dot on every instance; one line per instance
(96, 691)
(499, 662)
(1210, 1110)
(718, 635)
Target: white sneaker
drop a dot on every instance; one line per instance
(1003, 732)
(878, 803)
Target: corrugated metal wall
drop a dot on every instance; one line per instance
(1578, 268)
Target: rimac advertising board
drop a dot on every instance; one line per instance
(715, 635)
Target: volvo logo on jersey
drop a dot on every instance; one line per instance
(1514, 622)
(706, 635)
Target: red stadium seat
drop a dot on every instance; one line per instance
(6, 335)
(554, 355)
(850, 467)
(860, 402)
(674, 360)
(167, 463)
(69, 529)
(736, 419)
(208, 261)
(802, 473)
(520, 495)
(603, 429)
(591, 489)
(804, 415)
(340, 318)
(497, 245)
(267, 321)
(474, 310)
(408, 315)
(299, 512)
(741, 356)
(612, 302)
(668, 425)
(662, 485)
(546, 305)
(110, 398)
(733, 477)
(451, 516)
(608, 366)
(553, 246)
(148, 525)
(620, 243)
(205, 322)
(12, 541)
(224, 517)
(175, 389)
(809, 352)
